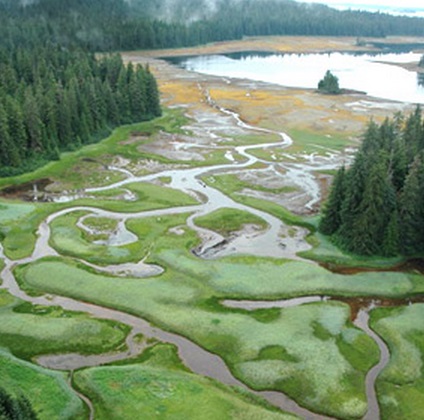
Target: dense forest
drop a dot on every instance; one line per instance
(105, 25)
(54, 94)
(376, 207)
(57, 96)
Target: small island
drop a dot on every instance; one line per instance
(329, 84)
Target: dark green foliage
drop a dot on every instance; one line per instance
(331, 219)
(110, 25)
(329, 84)
(412, 209)
(15, 408)
(65, 106)
(376, 207)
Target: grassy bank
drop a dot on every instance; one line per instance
(28, 330)
(400, 387)
(159, 387)
(47, 391)
(295, 360)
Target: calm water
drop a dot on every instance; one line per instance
(363, 72)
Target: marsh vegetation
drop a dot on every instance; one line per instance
(118, 261)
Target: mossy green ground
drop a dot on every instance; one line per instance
(47, 391)
(152, 232)
(225, 221)
(310, 336)
(160, 389)
(19, 222)
(28, 330)
(400, 387)
(232, 186)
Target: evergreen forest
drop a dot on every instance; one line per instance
(15, 408)
(111, 25)
(376, 207)
(55, 95)
(54, 99)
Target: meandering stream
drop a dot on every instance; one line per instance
(271, 242)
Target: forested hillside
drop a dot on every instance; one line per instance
(104, 25)
(376, 207)
(54, 95)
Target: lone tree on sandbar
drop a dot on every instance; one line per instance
(329, 84)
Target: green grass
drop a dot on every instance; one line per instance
(225, 221)
(178, 301)
(18, 226)
(102, 224)
(325, 251)
(158, 390)
(400, 387)
(12, 211)
(267, 278)
(232, 186)
(313, 142)
(28, 330)
(69, 240)
(47, 391)
(19, 222)
(231, 183)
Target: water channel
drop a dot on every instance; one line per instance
(267, 243)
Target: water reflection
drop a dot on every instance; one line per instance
(420, 79)
(379, 75)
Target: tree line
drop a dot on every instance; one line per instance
(15, 408)
(376, 207)
(54, 99)
(106, 25)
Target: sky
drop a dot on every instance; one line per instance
(395, 5)
(404, 3)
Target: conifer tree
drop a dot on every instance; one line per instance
(331, 219)
(412, 210)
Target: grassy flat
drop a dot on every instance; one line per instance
(400, 387)
(225, 221)
(232, 186)
(152, 232)
(162, 391)
(28, 330)
(262, 278)
(308, 338)
(47, 391)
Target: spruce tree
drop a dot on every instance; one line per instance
(374, 212)
(412, 210)
(329, 84)
(331, 219)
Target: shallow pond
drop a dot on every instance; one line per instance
(376, 74)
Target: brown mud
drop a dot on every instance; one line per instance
(414, 266)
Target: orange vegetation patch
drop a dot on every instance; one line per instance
(177, 92)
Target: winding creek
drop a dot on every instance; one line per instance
(271, 242)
